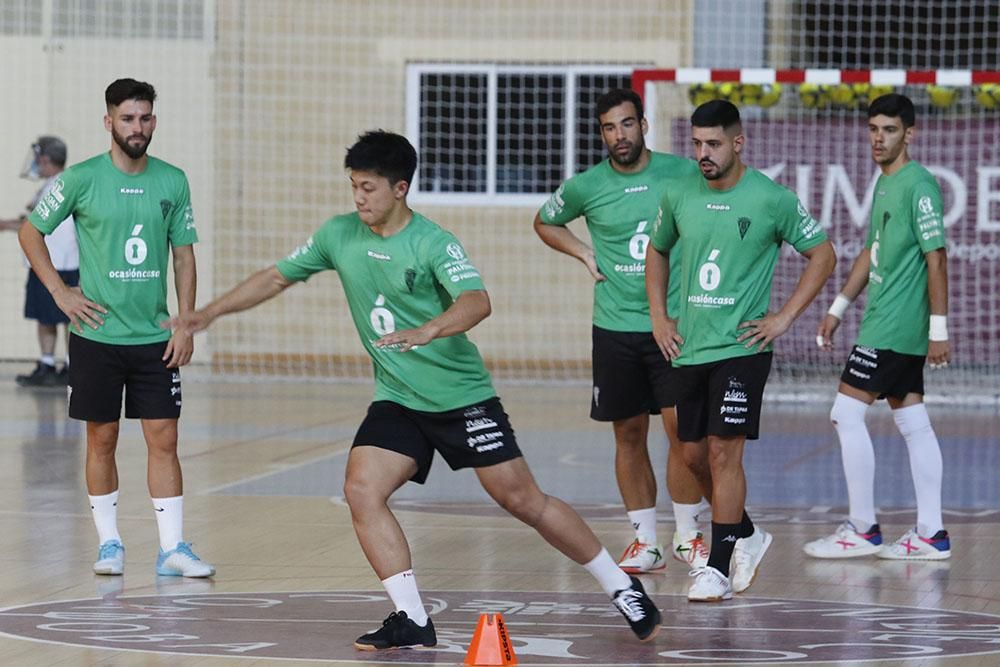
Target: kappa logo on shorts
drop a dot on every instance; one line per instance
(474, 411)
(175, 378)
(485, 442)
(174, 391)
(735, 394)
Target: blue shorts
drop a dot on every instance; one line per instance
(39, 304)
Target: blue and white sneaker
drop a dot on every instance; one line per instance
(110, 558)
(911, 546)
(182, 562)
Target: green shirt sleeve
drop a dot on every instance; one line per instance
(58, 203)
(795, 224)
(928, 223)
(564, 206)
(665, 232)
(182, 231)
(451, 265)
(311, 257)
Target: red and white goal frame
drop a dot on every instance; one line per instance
(645, 80)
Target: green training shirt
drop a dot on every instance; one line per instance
(619, 210)
(906, 223)
(125, 225)
(729, 247)
(402, 282)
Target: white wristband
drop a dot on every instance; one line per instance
(938, 328)
(839, 306)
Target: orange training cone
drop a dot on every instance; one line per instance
(490, 644)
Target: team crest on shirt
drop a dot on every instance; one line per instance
(925, 205)
(165, 206)
(409, 277)
(744, 225)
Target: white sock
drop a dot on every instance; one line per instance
(686, 517)
(402, 590)
(925, 465)
(48, 360)
(611, 577)
(644, 522)
(105, 511)
(858, 455)
(169, 521)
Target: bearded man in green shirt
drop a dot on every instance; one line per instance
(730, 221)
(132, 212)
(413, 293)
(904, 266)
(618, 198)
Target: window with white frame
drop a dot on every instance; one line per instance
(503, 134)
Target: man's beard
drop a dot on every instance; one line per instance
(134, 152)
(631, 158)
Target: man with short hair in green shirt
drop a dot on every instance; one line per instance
(413, 293)
(132, 211)
(904, 266)
(730, 222)
(619, 198)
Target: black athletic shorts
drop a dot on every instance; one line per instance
(631, 376)
(39, 304)
(722, 397)
(98, 372)
(884, 372)
(475, 436)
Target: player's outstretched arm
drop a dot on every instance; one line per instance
(657, 284)
(468, 310)
(857, 280)
(565, 241)
(822, 261)
(939, 349)
(259, 287)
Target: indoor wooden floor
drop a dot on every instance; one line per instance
(263, 465)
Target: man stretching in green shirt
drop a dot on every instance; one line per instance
(413, 293)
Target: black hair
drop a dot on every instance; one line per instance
(128, 89)
(716, 113)
(385, 153)
(613, 98)
(894, 105)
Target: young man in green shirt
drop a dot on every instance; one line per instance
(413, 293)
(730, 221)
(132, 211)
(904, 266)
(619, 198)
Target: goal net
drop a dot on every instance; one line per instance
(807, 129)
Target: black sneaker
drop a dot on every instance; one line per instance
(63, 376)
(640, 612)
(43, 376)
(397, 631)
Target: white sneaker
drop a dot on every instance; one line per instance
(747, 554)
(913, 547)
(640, 557)
(709, 585)
(110, 558)
(846, 542)
(690, 549)
(181, 562)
